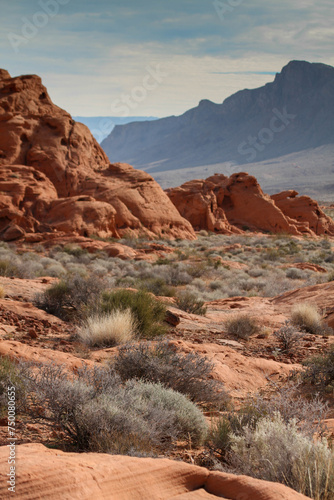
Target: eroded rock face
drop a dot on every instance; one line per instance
(53, 474)
(304, 209)
(231, 204)
(55, 176)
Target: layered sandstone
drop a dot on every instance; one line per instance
(53, 474)
(231, 204)
(54, 176)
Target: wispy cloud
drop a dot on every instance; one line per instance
(92, 52)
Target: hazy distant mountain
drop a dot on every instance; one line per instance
(101, 126)
(292, 114)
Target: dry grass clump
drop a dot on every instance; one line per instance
(307, 317)
(148, 312)
(109, 330)
(242, 326)
(276, 451)
(2, 292)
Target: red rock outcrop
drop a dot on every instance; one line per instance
(197, 202)
(305, 210)
(53, 474)
(230, 204)
(55, 176)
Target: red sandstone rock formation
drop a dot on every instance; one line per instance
(55, 176)
(305, 210)
(229, 204)
(53, 474)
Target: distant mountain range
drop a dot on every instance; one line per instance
(293, 115)
(101, 126)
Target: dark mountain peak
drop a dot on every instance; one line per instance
(206, 103)
(297, 73)
(293, 113)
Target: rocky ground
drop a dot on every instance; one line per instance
(244, 366)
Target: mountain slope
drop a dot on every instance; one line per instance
(101, 126)
(293, 113)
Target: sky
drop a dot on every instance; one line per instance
(158, 57)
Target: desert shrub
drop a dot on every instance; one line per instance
(55, 270)
(10, 376)
(217, 285)
(188, 421)
(256, 272)
(75, 297)
(54, 299)
(288, 400)
(99, 413)
(242, 326)
(199, 284)
(189, 374)
(188, 302)
(307, 317)
(296, 274)
(277, 451)
(157, 286)
(109, 330)
(74, 250)
(288, 337)
(8, 269)
(148, 312)
(319, 370)
(308, 415)
(273, 254)
(219, 436)
(175, 274)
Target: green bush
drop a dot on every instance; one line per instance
(73, 298)
(319, 370)
(8, 269)
(219, 440)
(74, 250)
(157, 286)
(189, 374)
(148, 312)
(188, 302)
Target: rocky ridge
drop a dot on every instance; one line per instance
(55, 177)
(229, 205)
(290, 114)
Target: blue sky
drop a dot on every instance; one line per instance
(161, 57)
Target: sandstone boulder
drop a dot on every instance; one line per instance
(52, 474)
